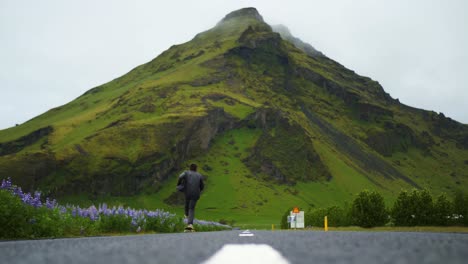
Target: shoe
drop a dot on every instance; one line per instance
(189, 226)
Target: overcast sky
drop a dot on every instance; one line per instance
(53, 51)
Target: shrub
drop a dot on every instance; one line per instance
(79, 226)
(415, 208)
(442, 210)
(15, 216)
(46, 223)
(26, 215)
(402, 211)
(460, 209)
(164, 224)
(424, 207)
(284, 219)
(368, 209)
(115, 223)
(20, 220)
(314, 217)
(337, 216)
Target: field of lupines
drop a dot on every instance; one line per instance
(26, 215)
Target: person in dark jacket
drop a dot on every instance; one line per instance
(193, 185)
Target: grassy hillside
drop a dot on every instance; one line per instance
(272, 123)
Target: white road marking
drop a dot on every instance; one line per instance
(245, 254)
(246, 233)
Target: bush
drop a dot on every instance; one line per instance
(415, 208)
(79, 226)
(115, 223)
(336, 215)
(402, 210)
(368, 209)
(442, 211)
(46, 223)
(284, 219)
(460, 209)
(314, 217)
(15, 216)
(20, 220)
(424, 207)
(26, 215)
(166, 224)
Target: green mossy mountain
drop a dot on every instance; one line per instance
(270, 120)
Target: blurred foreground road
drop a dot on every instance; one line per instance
(293, 246)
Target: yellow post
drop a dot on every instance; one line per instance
(326, 224)
(273, 227)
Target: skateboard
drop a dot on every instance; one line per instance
(189, 230)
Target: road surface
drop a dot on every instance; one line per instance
(248, 247)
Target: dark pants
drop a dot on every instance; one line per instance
(190, 210)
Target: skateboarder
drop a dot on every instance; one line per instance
(192, 182)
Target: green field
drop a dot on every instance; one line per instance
(234, 195)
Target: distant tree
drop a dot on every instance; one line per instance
(442, 210)
(337, 216)
(314, 217)
(413, 208)
(424, 207)
(460, 209)
(403, 210)
(368, 209)
(284, 219)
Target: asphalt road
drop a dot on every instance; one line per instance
(294, 246)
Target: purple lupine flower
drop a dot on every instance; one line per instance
(27, 198)
(50, 203)
(130, 213)
(6, 184)
(17, 191)
(82, 213)
(93, 217)
(93, 213)
(36, 200)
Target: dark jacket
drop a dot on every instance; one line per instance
(193, 182)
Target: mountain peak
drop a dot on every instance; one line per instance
(248, 12)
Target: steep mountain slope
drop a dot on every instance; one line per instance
(271, 121)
